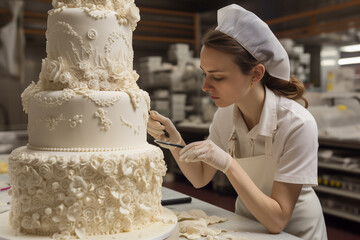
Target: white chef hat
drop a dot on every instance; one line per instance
(256, 37)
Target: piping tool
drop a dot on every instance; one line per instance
(168, 143)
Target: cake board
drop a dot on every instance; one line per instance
(156, 231)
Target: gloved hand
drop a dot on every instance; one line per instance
(208, 152)
(156, 126)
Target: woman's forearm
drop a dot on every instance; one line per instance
(268, 211)
(198, 173)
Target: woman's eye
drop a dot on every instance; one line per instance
(218, 78)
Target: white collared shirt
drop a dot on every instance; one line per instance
(295, 137)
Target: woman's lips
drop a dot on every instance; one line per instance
(214, 98)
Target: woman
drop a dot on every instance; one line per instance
(261, 138)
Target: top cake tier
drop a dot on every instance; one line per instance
(126, 10)
(90, 46)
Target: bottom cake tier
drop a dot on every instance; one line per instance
(66, 194)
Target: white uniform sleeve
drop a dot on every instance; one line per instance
(298, 162)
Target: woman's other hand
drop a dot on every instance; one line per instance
(208, 152)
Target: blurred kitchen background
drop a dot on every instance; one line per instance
(321, 37)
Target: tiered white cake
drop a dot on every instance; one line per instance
(87, 169)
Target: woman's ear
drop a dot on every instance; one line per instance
(258, 73)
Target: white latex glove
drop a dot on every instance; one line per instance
(208, 152)
(156, 125)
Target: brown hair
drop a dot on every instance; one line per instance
(293, 89)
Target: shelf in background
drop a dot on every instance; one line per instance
(338, 192)
(341, 214)
(331, 142)
(337, 167)
(152, 86)
(202, 128)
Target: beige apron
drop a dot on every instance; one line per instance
(307, 220)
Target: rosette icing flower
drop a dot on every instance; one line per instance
(124, 77)
(22, 180)
(66, 226)
(117, 226)
(98, 180)
(25, 202)
(101, 212)
(87, 172)
(102, 192)
(110, 216)
(80, 227)
(33, 178)
(60, 173)
(139, 174)
(109, 166)
(105, 85)
(89, 200)
(69, 201)
(65, 77)
(116, 69)
(111, 203)
(65, 184)
(127, 12)
(36, 202)
(93, 84)
(74, 211)
(101, 74)
(89, 74)
(112, 183)
(89, 213)
(31, 190)
(125, 202)
(46, 171)
(74, 84)
(84, 66)
(46, 221)
(74, 161)
(51, 70)
(78, 187)
(47, 199)
(60, 197)
(26, 222)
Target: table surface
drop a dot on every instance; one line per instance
(235, 225)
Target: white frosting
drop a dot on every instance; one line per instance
(88, 52)
(85, 122)
(81, 194)
(126, 10)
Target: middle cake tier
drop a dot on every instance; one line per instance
(87, 121)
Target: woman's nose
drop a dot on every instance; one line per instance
(206, 85)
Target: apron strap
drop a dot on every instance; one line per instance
(268, 151)
(232, 143)
(268, 146)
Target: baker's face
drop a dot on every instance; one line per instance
(224, 81)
